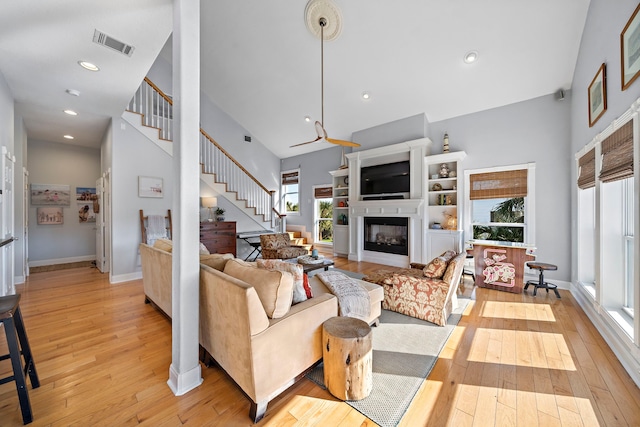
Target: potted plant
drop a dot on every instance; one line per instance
(219, 214)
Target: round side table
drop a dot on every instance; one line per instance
(346, 351)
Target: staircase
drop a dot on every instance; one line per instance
(151, 112)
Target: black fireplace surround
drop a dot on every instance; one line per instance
(389, 235)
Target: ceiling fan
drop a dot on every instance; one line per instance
(319, 125)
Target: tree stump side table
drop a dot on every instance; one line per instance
(346, 351)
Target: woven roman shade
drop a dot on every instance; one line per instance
(498, 185)
(617, 154)
(290, 178)
(587, 173)
(322, 192)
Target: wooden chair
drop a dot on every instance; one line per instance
(144, 222)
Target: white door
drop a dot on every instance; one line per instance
(6, 224)
(25, 234)
(99, 226)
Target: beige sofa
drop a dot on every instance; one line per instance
(264, 354)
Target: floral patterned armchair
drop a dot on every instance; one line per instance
(424, 291)
(278, 246)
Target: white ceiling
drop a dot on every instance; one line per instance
(261, 65)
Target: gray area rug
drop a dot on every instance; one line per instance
(404, 352)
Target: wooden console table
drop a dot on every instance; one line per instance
(500, 265)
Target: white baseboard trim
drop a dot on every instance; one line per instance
(181, 383)
(18, 280)
(55, 261)
(119, 278)
(623, 348)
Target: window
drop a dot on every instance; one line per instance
(323, 214)
(587, 221)
(290, 192)
(499, 203)
(628, 219)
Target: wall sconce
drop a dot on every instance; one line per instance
(209, 203)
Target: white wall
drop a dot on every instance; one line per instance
(134, 155)
(54, 163)
(6, 115)
(530, 131)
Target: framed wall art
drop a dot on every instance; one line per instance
(50, 195)
(50, 216)
(598, 95)
(630, 50)
(149, 186)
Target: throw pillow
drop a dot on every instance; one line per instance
(274, 288)
(164, 245)
(305, 284)
(436, 268)
(296, 271)
(217, 261)
(203, 249)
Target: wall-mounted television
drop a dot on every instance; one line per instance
(386, 179)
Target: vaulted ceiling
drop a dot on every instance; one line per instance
(261, 65)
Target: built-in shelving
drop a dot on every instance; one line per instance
(340, 184)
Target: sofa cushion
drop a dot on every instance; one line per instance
(164, 245)
(217, 261)
(437, 267)
(274, 288)
(296, 271)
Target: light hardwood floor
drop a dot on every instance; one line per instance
(103, 358)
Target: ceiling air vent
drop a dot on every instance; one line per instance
(108, 41)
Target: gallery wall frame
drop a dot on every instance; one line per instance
(149, 186)
(50, 195)
(50, 215)
(598, 95)
(630, 50)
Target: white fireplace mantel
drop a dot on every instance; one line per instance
(412, 208)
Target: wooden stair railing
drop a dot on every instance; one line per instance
(156, 110)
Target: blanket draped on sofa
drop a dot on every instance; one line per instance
(353, 299)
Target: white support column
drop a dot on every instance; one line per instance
(184, 372)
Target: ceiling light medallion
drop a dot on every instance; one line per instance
(471, 57)
(88, 66)
(323, 14)
(70, 112)
(68, 137)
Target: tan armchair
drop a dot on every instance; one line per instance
(278, 246)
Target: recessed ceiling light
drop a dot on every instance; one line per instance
(73, 92)
(70, 112)
(89, 66)
(366, 95)
(68, 137)
(471, 57)
(307, 119)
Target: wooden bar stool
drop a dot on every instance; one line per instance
(11, 318)
(540, 283)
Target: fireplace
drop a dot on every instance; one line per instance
(386, 234)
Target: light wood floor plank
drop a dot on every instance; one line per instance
(103, 358)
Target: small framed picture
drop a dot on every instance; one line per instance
(50, 216)
(149, 186)
(598, 95)
(630, 50)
